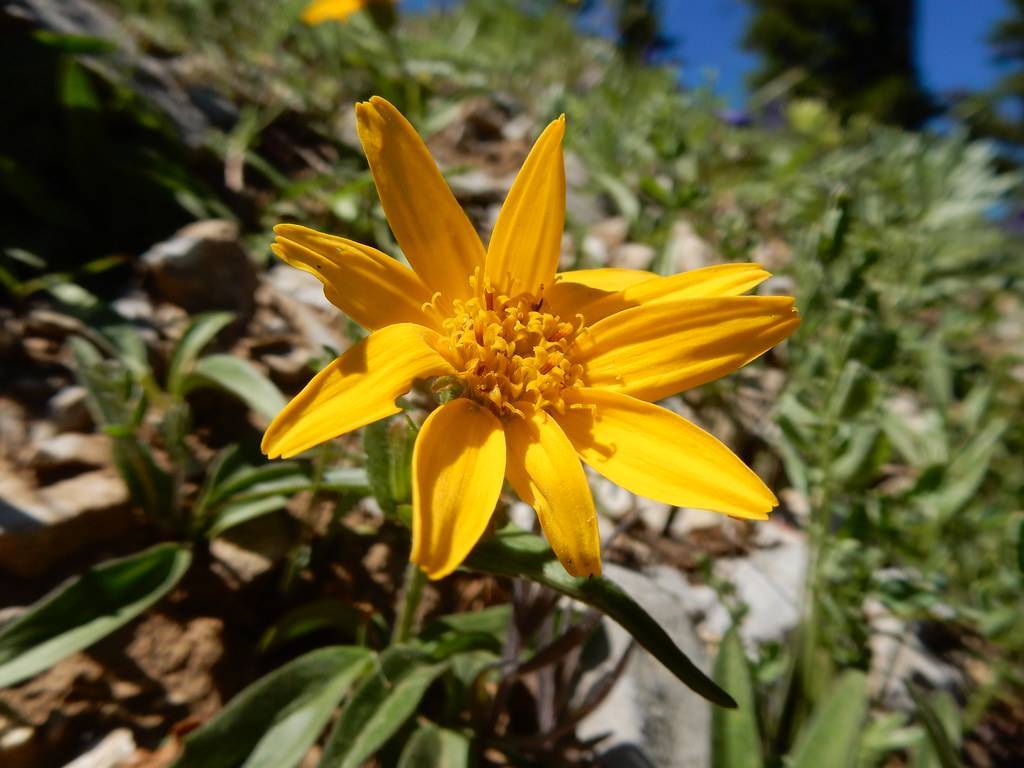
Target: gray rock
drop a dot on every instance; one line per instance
(68, 410)
(687, 250)
(770, 581)
(114, 750)
(898, 656)
(652, 718)
(70, 449)
(203, 267)
(13, 428)
(476, 186)
(611, 231)
(299, 297)
(633, 256)
(39, 528)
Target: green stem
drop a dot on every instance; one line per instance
(412, 590)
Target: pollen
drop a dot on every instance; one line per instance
(511, 355)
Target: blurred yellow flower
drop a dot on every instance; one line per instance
(320, 11)
(547, 368)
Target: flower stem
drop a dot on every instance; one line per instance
(412, 590)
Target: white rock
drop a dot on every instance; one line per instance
(113, 751)
(649, 714)
(898, 656)
(633, 256)
(771, 583)
(611, 231)
(38, 528)
(71, 449)
(68, 410)
(687, 250)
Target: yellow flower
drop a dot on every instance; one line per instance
(320, 11)
(550, 367)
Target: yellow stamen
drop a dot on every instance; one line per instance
(511, 354)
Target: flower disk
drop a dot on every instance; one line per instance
(511, 355)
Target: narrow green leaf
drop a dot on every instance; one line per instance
(88, 608)
(516, 553)
(1020, 547)
(493, 621)
(735, 740)
(328, 613)
(230, 515)
(433, 747)
(380, 706)
(273, 722)
(832, 737)
(938, 737)
(240, 378)
(197, 335)
(378, 464)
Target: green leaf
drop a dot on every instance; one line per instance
(240, 378)
(380, 706)
(76, 44)
(433, 747)
(493, 620)
(388, 444)
(197, 335)
(937, 731)
(831, 739)
(735, 740)
(273, 722)
(319, 615)
(516, 553)
(231, 515)
(88, 608)
(1020, 547)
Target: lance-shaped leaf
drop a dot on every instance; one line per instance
(433, 747)
(832, 738)
(516, 553)
(241, 379)
(199, 333)
(88, 608)
(735, 742)
(273, 722)
(380, 706)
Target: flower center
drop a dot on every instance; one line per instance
(511, 355)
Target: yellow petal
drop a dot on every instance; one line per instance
(432, 230)
(358, 388)
(527, 239)
(543, 468)
(337, 10)
(706, 283)
(367, 285)
(574, 291)
(458, 466)
(653, 452)
(658, 349)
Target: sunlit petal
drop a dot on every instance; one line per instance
(332, 10)
(458, 468)
(527, 240)
(575, 291)
(544, 470)
(358, 388)
(706, 283)
(658, 349)
(660, 455)
(367, 285)
(430, 226)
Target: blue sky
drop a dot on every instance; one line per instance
(951, 48)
